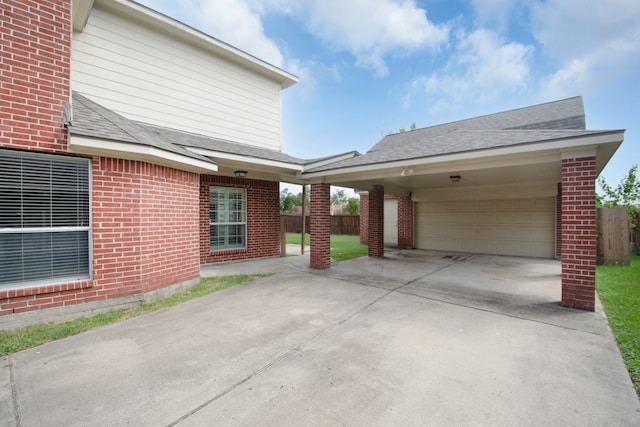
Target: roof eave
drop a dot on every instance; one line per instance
(184, 32)
(129, 151)
(221, 155)
(607, 142)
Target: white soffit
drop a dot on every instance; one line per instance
(144, 153)
(80, 10)
(245, 159)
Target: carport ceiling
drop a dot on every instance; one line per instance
(544, 172)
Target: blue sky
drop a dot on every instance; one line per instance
(370, 67)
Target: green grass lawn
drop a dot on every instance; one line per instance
(619, 290)
(32, 336)
(343, 247)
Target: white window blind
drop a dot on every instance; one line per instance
(228, 218)
(44, 219)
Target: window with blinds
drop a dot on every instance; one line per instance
(228, 218)
(44, 219)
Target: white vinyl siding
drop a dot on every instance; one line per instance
(228, 218)
(521, 227)
(147, 76)
(44, 219)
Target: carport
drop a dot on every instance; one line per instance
(520, 182)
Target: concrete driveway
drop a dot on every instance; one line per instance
(417, 338)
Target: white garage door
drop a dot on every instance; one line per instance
(522, 227)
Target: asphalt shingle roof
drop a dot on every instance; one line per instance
(93, 120)
(538, 123)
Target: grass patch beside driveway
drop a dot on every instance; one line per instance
(32, 336)
(343, 247)
(619, 290)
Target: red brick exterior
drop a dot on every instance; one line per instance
(579, 233)
(145, 237)
(405, 219)
(364, 218)
(145, 217)
(34, 77)
(320, 226)
(376, 222)
(263, 219)
(559, 222)
(405, 222)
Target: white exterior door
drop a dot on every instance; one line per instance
(521, 227)
(391, 222)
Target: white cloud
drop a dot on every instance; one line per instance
(370, 30)
(240, 25)
(482, 68)
(373, 29)
(594, 43)
(493, 13)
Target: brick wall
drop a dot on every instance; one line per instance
(34, 77)
(579, 232)
(263, 219)
(376, 221)
(559, 222)
(364, 218)
(320, 226)
(405, 222)
(145, 236)
(405, 219)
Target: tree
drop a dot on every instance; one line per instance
(353, 206)
(626, 193)
(338, 197)
(288, 201)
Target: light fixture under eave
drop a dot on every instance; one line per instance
(455, 178)
(240, 174)
(406, 171)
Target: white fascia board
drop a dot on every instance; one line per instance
(80, 10)
(580, 143)
(338, 158)
(245, 159)
(123, 150)
(199, 38)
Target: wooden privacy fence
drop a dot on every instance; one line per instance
(340, 224)
(613, 236)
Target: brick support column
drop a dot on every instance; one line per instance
(405, 222)
(364, 218)
(559, 222)
(376, 222)
(579, 232)
(320, 226)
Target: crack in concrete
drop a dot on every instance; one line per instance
(14, 393)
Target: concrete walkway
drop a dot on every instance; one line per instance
(417, 338)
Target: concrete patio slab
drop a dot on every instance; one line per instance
(303, 347)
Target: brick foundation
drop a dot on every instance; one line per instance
(376, 222)
(263, 219)
(579, 233)
(320, 226)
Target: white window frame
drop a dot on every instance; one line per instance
(42, 236)
(227, 215)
